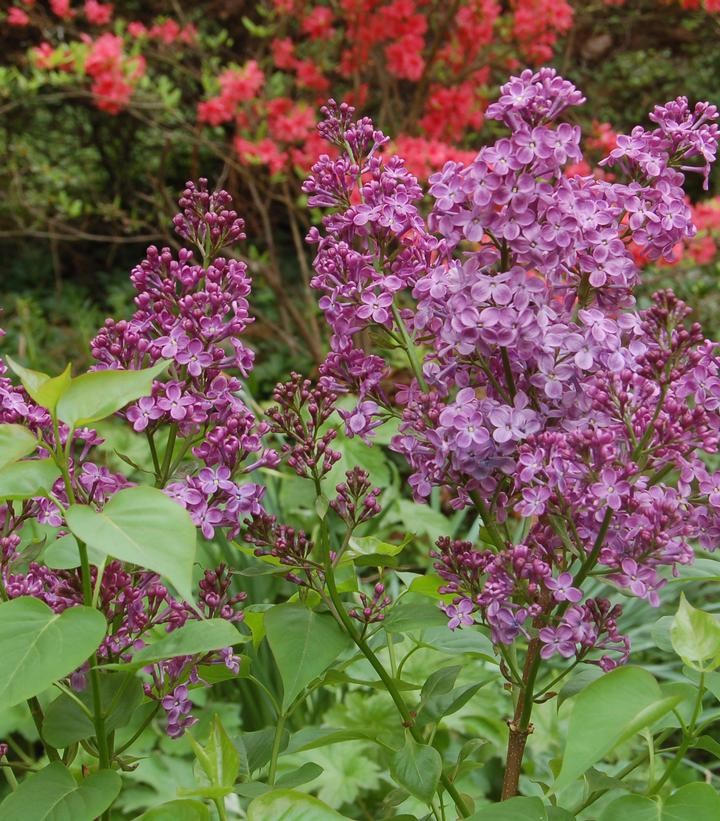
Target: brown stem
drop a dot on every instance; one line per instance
(520, 726)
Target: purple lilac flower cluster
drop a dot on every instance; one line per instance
(375, 246)
(539, 391)
(193, 315)
(683, 133)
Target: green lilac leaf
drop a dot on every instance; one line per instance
(39, 646)
(607, 712)
(143, 526)
(695, 636)
(93, 396)
(417, 768)
(219, 759)
(290, 805)
(514, 809)
(43, 389)
(15, 442)
(54, 795)
(28, 479)
(693, 802)
(304, 644)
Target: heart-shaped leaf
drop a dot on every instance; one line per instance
(416, 614)
(53, 794)
(289, 805)
(417, 768)
(143, 526)
(608, 711)
(38, 646)
(15, 442)
(303, 643)
(94, 396)
(695, 636)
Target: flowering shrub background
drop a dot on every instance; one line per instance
(388, 497)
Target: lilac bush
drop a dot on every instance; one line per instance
(568, 426)
(574, 423)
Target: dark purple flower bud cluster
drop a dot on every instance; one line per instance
(357, 500)
(290, 546)
(300, 416)
(59, 589)
(217, 598)
(539, 390)
(207, 220)
(9, 548)
(373, 607)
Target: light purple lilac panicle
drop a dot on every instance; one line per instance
(544, 394)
